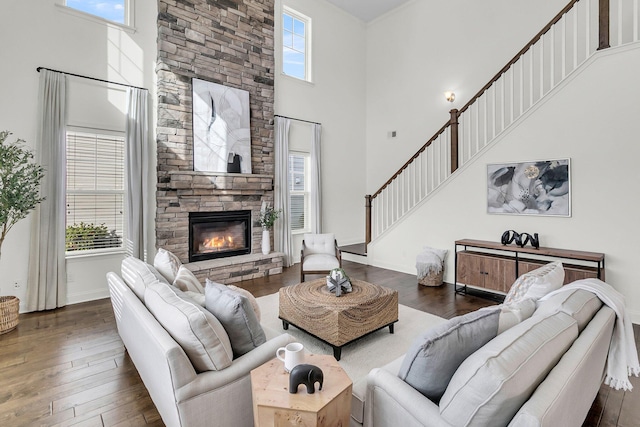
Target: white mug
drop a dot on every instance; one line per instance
(293, 355)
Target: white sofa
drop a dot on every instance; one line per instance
(183, 396)
(562, 398)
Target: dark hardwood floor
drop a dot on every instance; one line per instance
(68, 366)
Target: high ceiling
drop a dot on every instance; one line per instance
(367, 10)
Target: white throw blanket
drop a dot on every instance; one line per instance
(623, 356)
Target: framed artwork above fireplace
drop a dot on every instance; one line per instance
(221, 128)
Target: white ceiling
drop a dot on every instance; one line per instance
(367, 10)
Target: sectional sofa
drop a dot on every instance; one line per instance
(534, 364)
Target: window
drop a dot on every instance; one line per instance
(296, 55)
(299, 191)
(95, 191)
(111, 10)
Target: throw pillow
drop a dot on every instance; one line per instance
(137, 274)
(167, 264)
(197, 331)
(537, 283)
(493, 383)
(187, 281)
(250, 297)
(512, 314)
(434, 357)
(236, 315)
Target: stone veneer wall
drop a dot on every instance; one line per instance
(229, 42)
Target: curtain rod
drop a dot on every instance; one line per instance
(298, 120)
(91, 78)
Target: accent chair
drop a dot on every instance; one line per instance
(320, 254)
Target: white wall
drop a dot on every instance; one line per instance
(591, 119)
(45, 34)
(336, 99)
(417, 52)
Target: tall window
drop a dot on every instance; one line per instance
(299, 191)
(111, 10)
(296, 55)
(95, 191)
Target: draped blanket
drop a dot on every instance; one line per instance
(623, 355)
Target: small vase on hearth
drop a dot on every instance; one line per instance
(266, 241)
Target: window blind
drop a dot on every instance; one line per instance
(95, 191)
(298, 194)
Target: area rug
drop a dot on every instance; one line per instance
(359, 357)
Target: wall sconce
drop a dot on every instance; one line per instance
(450, 96)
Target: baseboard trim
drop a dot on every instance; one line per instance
(355, 258)
(87, 296)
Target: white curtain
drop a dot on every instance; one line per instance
(316, 188)
(137, 169)
(47, 277)
(282, 228)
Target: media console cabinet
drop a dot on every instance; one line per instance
(492, 266)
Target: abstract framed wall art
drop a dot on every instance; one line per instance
(530, 188)
(221, 129)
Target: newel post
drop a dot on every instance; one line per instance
(454, 139)
(367, 227)
(603, 22)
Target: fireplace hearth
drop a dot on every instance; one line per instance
(219, 234)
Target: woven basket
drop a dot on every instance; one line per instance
(9, 307)
(432, 278)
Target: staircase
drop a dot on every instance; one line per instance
(576, 33)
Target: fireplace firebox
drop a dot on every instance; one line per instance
(219, 234)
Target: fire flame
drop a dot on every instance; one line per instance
(218, 242)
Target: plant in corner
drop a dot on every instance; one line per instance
(20, 179)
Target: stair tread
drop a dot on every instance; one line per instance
(356, 249)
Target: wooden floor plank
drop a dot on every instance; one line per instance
(611, 410)
(629, 415)
(92, 421)
(127, 413)
(68, 366)
(89, 394)
(595, 413)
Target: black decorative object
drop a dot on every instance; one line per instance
(307, 375)
(521, 240)
(233, 164)
(528, 238)
(509, 236)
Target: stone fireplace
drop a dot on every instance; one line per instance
(229, 43)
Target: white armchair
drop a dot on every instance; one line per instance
(320, 254)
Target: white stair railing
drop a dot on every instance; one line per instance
(573, 36)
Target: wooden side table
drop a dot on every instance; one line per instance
(274, 406)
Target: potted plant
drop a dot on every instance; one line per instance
(268, 216)
(20, 179)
